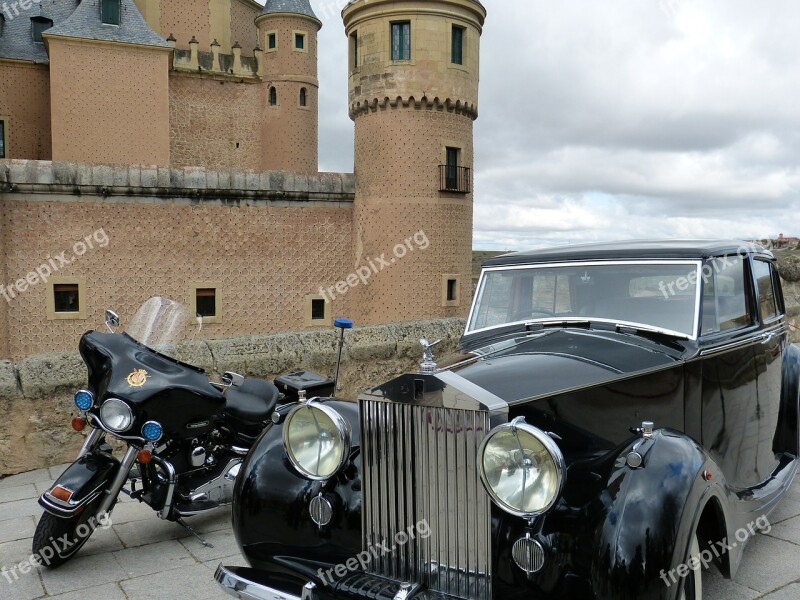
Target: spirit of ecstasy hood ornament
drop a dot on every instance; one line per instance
(427, 366)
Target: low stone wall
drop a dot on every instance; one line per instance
(36, 394)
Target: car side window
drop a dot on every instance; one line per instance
(767, 304)
(724, 295)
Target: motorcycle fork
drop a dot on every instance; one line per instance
(119, 480)
(95, 437)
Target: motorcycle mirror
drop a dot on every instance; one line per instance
(112, 319)
(230, 378)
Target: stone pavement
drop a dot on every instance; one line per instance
(143, 558)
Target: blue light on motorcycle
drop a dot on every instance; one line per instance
(84, 399)
(152, 431)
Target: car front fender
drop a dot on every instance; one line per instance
(650, 513)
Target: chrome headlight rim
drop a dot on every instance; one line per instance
(112, 402)
(343, 430)
(552, 449)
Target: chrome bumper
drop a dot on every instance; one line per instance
(235, 583)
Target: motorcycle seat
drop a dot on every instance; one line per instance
(251, 403)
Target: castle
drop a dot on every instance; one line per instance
(171, 148)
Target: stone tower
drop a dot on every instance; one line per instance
(288, 36)
(413, 95)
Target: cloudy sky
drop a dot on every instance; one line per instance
(620, 119)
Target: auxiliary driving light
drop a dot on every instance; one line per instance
(84, 399)
(152, 431)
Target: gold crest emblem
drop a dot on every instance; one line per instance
(138, 378)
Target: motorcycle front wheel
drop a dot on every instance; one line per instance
(57, 540)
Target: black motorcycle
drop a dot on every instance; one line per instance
(186, 436)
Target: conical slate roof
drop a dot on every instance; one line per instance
(85, 22)
(299, 7)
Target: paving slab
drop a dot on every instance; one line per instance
(109, 591)
(23, 587)
(769, 564)
(790, 592)
(21, 528)
(193, 582)
(25, 478)
(82, 571)
(154, 558)
(18, 492)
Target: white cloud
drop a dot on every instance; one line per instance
(620, 119)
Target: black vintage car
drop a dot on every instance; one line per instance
(620, 417)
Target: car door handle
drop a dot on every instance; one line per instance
(767, 337)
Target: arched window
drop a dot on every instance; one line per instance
(303, 97)
(273, 96)
(109, 11)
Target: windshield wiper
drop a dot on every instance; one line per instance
(634, 329)
(557, 322)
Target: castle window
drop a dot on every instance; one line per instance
(273, 96)
(65, 298)
(3, 138)
(109, 11)
(401, 40)
(317, 311)
(457, 53)
(303, 97)
(2, 23)
(451, 290)
(354, 49)
(272, 41)
(38, 26)
(206, 301)
(300, 42)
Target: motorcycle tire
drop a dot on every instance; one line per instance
(56, 540)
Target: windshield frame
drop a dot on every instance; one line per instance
(696, 263)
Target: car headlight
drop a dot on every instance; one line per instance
(522, 468)
(116, 415)
(317, 440)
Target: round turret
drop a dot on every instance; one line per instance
(413, 94)
(288, 37)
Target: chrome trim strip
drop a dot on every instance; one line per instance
(239, 587)
(173, 479)
(96, 422)
(486, 398)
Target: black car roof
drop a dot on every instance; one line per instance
(630, 249)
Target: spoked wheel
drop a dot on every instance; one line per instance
(693, 582)
(57, 540)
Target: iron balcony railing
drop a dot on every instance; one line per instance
(457, 180)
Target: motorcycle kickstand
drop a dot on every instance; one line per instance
(191, 530)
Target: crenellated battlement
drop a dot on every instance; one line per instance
(447, 105)
(214, 62)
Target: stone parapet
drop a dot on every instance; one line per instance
(47, 177)
(36, 394)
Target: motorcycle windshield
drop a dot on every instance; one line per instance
(162, 324)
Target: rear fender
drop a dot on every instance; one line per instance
(84, 481)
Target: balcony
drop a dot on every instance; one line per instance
(456, 180)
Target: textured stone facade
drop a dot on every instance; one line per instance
(129, 120)
(215, 123)
(26, 110)
(36, 394)
(267, 239)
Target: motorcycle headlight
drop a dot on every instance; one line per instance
(317, 440)
(116, 415)
(522, 468)
(84, 399)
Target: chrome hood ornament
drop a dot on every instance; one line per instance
(428, 365)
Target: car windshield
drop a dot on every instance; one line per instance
(661, 295)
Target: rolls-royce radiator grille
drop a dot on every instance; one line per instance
(427, 518)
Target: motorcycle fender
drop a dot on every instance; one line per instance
(82, 482)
